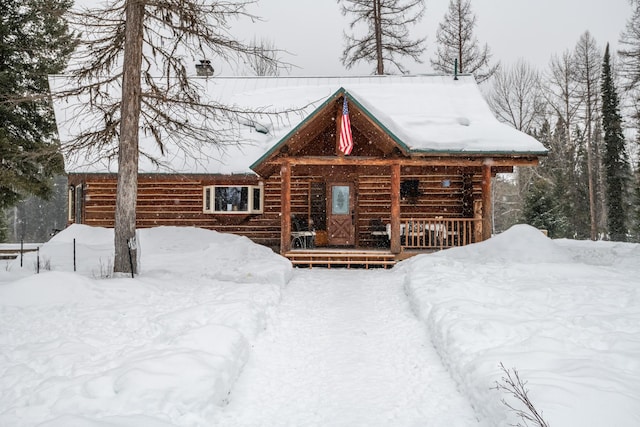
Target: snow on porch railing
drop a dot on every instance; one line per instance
(439, 233)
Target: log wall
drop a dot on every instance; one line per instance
(178, 200)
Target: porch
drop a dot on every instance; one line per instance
(417, 236)
(392, 207)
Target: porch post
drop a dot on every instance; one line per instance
(285, 208)
(395, 208)
(486, 200)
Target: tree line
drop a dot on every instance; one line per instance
(579, 107)
(586, 187)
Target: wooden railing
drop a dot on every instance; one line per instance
(439, 233)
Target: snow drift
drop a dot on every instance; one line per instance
(564, 314)
(162, 349)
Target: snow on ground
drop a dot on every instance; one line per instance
(344, 349)
(565, 314)
(219, 331)
(162, 349)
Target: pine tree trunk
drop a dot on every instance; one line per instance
(590, 169)
(377, 17)
(461, 66)
(127, 190)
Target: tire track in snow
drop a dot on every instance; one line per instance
(344, 349)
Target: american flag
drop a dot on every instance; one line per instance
(346, 139)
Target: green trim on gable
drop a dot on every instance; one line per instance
(343, 92)
(292, 132)
(340, 92)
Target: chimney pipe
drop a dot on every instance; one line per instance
(204, 68)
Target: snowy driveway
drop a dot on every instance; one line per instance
(344, 349)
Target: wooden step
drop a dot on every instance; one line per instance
(337, 258)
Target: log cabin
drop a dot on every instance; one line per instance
(416, 178)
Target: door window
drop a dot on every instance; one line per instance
(340, 200)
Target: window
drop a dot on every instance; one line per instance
(233, 199)
(75, 200)
(409, 188)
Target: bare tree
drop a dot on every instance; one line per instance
(131, 67)
(588, 66)
(516, 98)
(266, 61)
(456, 41)
(385, 38)
(630, 49)
(560, 90)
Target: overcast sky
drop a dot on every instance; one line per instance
(531, 29)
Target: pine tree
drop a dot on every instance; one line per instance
(629, 67)
(615, 159)
(385, 38)
(635, 212)
(539, 207)
(546, 202)
(456, 41)
(34, 42)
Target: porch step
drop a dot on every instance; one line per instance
(341, 258)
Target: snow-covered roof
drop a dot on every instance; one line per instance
(426, 114)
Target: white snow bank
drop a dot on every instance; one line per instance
(565, 315)
(164, 250)
(520, 244)
(162, 349)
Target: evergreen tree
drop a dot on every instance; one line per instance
(545, 202)
(629, 67)
(34, 42)
(635, 213)
(540, 208)
(456, 41)
(615, 159)
(386, 37)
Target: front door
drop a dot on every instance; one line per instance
(340, 214)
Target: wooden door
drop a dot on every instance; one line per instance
(340, 214)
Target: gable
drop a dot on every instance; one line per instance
(316, 135)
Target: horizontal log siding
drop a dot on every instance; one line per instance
(374, 202)
(374, 195)
(179, 202)
(170, 200)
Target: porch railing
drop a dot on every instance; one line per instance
(439, 233)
